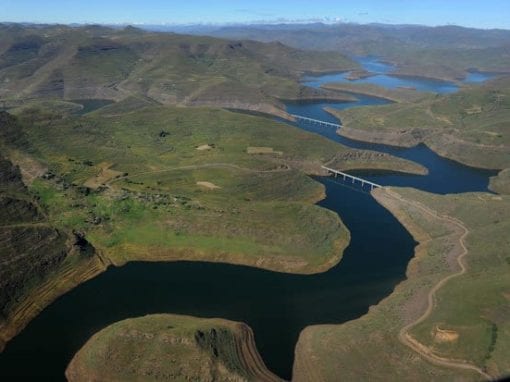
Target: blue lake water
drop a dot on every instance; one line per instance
(383, 77)
(445, 176)
(277, 306)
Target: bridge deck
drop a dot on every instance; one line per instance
(354, 178)
(312, 120)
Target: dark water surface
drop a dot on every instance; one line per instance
(277, 306)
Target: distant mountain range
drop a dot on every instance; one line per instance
(445, 52)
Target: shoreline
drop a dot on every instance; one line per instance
(68, 277)
(386, 322)
(461, 232)
(397, 95)
(65, 280)
(225, 346)
(385, 137)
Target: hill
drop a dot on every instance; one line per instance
(167, 347)
(132, 182)
(93, 62)
(113, 165)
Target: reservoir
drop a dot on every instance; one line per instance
(382, 76)
(277, 306)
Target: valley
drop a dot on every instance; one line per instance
(153, 182)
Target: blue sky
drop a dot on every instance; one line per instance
(476, 13)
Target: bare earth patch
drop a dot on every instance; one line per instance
(444, 335)
(204, 147)
(208, 185)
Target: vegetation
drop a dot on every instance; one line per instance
(473, 308)
(469, 126)
(468, 324)
(114, 166)
(60, 62)
(167, 347)
(114, 176)
(134, 182)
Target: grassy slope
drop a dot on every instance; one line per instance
(167, 347)
(373, 160)
(149, 203)
(470, 126)
(152, 205)
(473, 307)
(82, 63)
(396, 95)
(143, 200)
(159, 211)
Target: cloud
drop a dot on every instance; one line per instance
(256, 12)
(311, 20)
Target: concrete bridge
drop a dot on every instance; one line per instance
(352, 177)
(316, 121)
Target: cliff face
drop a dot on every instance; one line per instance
(32, 254)
(167, 347)
(29, 248)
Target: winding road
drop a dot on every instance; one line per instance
(404, 336)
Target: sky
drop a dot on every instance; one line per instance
(472, 13)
